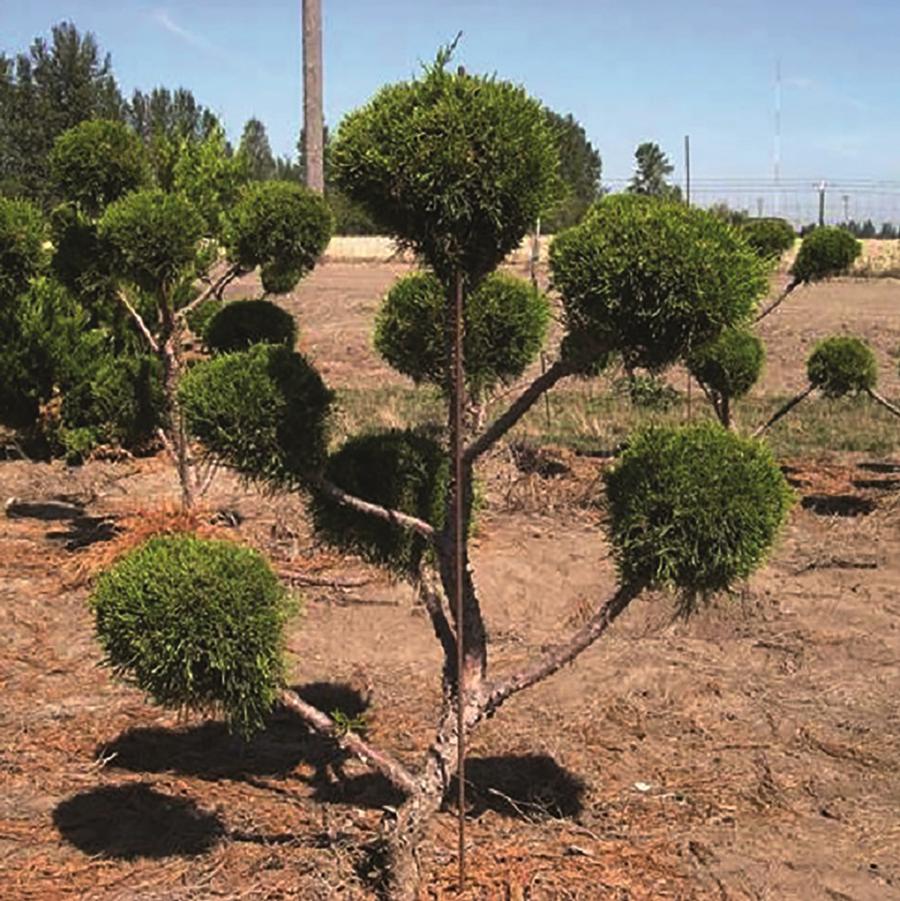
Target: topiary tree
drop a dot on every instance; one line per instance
(837, 366)
(243, 323)
(506, 322)
(825, 252)
(770, 238)
(727, 368)
(457, 166)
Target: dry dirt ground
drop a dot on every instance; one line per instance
(750, 752)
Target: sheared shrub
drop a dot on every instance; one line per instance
(262, 411)
(825, 252)
(196, 624)
(769, 238)
(842, 365)
(506, 322)
(694, 508)
(401, 470)
(242, 323)
(652, 279)
(730, 365)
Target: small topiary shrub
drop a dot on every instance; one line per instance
(199, 318)
(401, 470)
(842, 365)
(242, 323)
(155, 237)
(694, 508)
(731, 364)
(22, 255)
(769, 238)
(457, 167)
(120, 403)
(262, 411)
(647, 391)
(97, 162)
(506, 323)
(196, 624)
(281, 226)
(651, 279)
(825, 252)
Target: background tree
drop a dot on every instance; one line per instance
(256, 151)
(580, 168)
(652, 168)
(45, 91)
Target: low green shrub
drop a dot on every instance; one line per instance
(195, 624)
(825, 252)
(694, 508)
(262, 411)
(842, 365)
(242, 323)
(769, 238)
(401, 470)
(506, 323)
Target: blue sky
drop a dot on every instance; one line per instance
(628, 71)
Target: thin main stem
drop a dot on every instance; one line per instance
(783, 411)
(878, 398)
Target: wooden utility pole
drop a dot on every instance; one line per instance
(313, 121)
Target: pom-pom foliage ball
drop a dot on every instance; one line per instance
(730, 364)
(401, 470)
(97, 162)
(770, 238)
(281, 226)
(155, 236)
(262, 411)
(506, 322)
(694, 508)
(825, 253)
(457, 167)
(242, 323)
(652, 279)
(842, 365)
(196, 624)
(22, 257)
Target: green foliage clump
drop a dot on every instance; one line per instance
(119, 403)
(694, 508)
(729, 365)
(22, 256)
(281, 226)
(199, 318)
(155, 236)
(647, 391)
(196, 624)
(506, 322)
(401, 470)
(842, 365)
(825, 252)
(97, 162)
(457, 167)
(770, 238)
(652, 279)
(242, 323)
(262, 411)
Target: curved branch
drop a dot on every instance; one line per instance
(139, 321)
(215, 288)
(430, 595)
(883, 401)
(778, 300)
(392, 769)
(395, 517)
(558, 656)
(783, 411)
(519, 407)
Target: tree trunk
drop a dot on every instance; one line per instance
(170, 356)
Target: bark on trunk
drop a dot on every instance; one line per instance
(170, 356)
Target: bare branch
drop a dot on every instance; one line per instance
(430, 595)
(215, 288)
(783, 411)
(883, 401)
(395, 517)
(519, 407)
(557, 657)
(139, 321)
(778, 300)
(390, 768)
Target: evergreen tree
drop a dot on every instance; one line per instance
(652, 167)
(257, 152)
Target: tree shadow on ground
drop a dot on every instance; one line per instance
(210, 751)
(527, 787)
(878, 484)
(132, 821)
(879, 467)
(838, 504)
